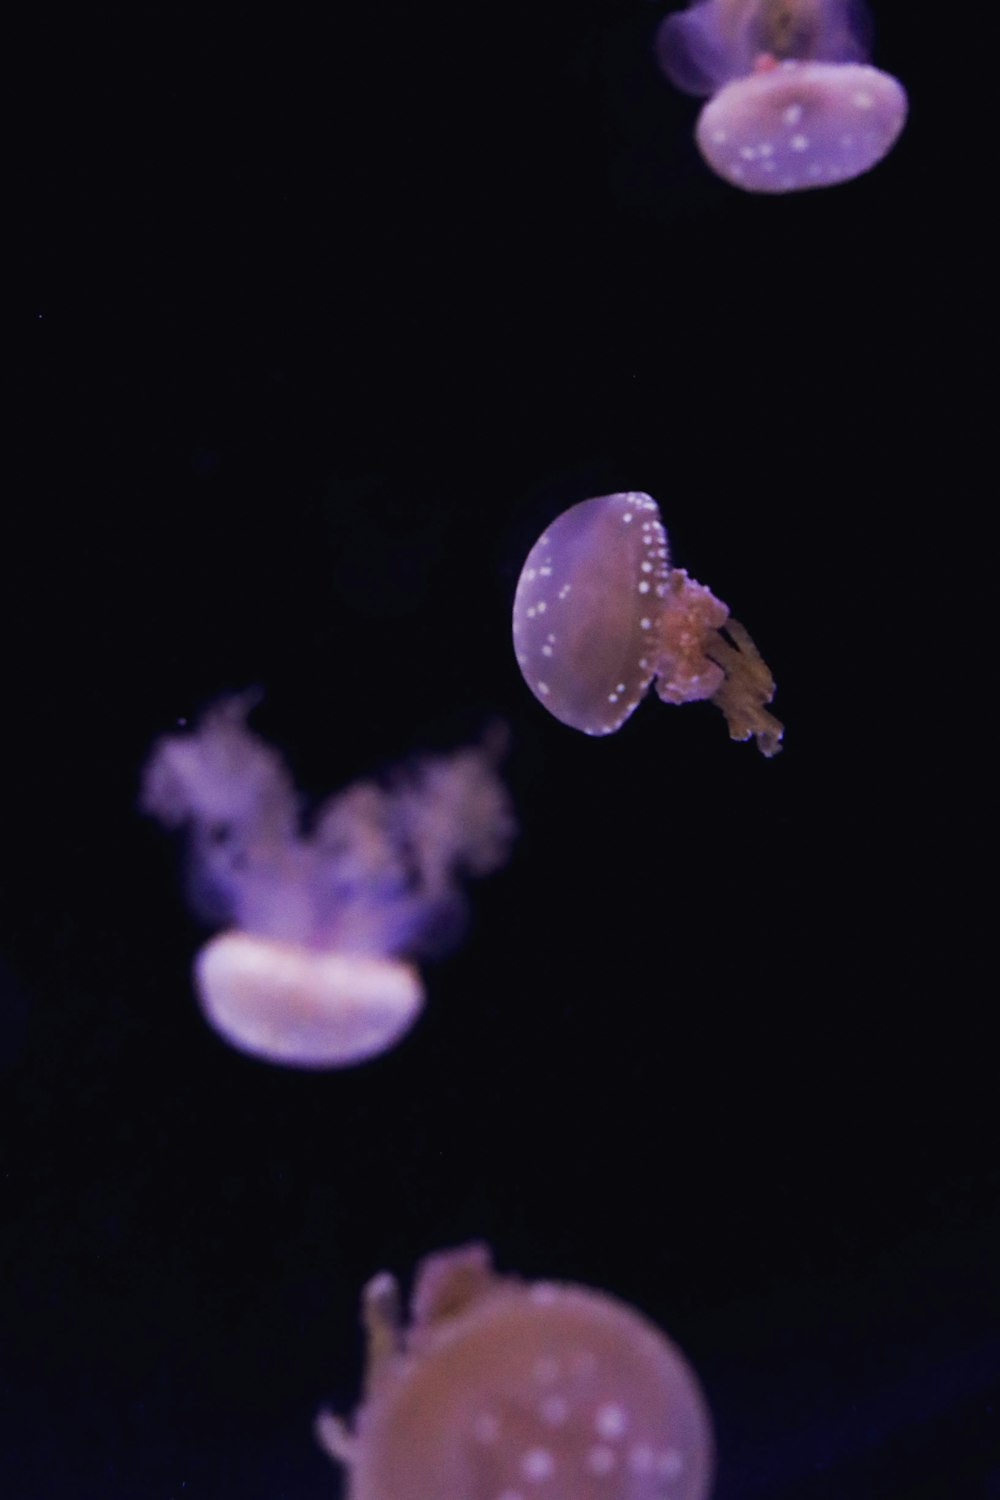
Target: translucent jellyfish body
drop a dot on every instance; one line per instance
(794, 104)
(600, 615)
(501, 1390)
(312, 971)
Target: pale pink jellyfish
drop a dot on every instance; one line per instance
(313, 971)
(501, 1390)
(599, 615)
(794, 103)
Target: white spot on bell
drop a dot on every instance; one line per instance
(538, 1464)
(610, 1421)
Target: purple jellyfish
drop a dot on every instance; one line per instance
(599, 615)
(794, 104)
(311, 973)
(500, 1390)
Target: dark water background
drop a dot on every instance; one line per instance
(324, 313)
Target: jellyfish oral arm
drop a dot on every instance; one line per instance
(705, 654)
(685, 672)
(335, 1438)
(382, 1319)
(382, 1316)
(713, 42)
(745, 689)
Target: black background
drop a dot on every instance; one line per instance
(324, 314)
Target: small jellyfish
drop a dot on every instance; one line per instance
(501, 1390)
(794, 103)
(312, 970)
(599, 615)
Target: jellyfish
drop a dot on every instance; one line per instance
(794, 103)
(504, 1390)
(599, 615)
(322, 915)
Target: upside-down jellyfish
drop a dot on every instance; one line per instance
(323, 916)
(794, 103)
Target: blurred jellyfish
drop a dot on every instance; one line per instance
(499, 1390)
(599, 615)
(794, 104)
(312, 971)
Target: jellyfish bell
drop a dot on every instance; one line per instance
(302, 1007)
(792, 125)
(500, 1388)
(581, 639)
(599, 616)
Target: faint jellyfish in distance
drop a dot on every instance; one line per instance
(599, 616)
(794, 103)
(500, 1389)
(313, 971)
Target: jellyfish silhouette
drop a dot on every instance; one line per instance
(794, 103)
(502, 1390)
(600, 615)
(313, 971)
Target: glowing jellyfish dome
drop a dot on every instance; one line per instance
(502, 1390)
(793, 102)
(600, 616)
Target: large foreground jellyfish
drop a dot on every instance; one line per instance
(323, 915)
(599, 615)
(793, 101)
(500, 1390)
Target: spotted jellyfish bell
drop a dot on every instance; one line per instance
(797, 125)
(501, 1390)
(599, 615)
